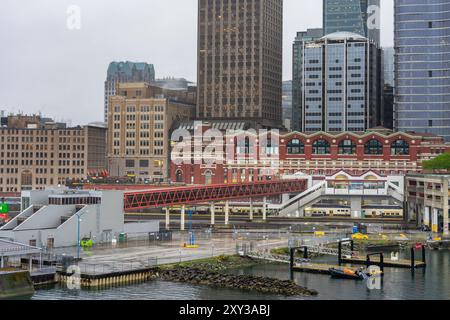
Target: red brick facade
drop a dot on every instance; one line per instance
(387, 160)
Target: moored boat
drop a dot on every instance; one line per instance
(346, 274)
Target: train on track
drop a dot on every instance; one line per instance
(368, 211)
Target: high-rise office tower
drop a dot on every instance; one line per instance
(342, 81)
(389, 65)
(357, 16)
(297, 73)
(287, 104)
(240, 60)
(126, 72)
(387, 120)
(422, 66)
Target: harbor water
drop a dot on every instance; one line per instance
(432, 283)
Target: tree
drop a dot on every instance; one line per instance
(441, 162)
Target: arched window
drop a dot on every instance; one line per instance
(243, 145)
(400, 148)
(347, 147)
(208, 177)
(179, 176)
(373, 147)
(321, 147)
(272, 147)
(295, 147)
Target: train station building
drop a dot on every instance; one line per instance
(320, 155)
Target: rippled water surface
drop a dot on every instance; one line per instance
(398, 284)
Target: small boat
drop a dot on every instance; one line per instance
(346, 274)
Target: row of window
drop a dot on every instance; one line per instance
(348, 147)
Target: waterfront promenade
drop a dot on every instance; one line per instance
(140, 254)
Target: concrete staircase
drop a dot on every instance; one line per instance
(293, 206)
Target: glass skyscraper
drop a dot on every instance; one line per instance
(356, 16)
(297, 73)
(422, 63)
(341, 84)
(389, 54)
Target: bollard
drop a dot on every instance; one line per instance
(292, 259)
(340, 253)
(424, 256)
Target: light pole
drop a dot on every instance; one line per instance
(78, 233)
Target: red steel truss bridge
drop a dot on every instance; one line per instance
(167, 197)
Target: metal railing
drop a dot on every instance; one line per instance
(275, 257)
(116, 267)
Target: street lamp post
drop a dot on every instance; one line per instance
(78, 236)
(78, 233)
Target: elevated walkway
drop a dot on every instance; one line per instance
(167, 197)
(343, 186)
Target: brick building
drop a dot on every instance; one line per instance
(320, 154)
(36, 153)
(140, 120)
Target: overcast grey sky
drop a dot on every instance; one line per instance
(45, 67)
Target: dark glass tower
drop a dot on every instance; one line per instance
(422, 63)
(356, 16)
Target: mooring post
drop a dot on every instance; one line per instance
(424, 256)
(305, 253)
(292, 259)
(340, 253)
(382, 262)
(413, 259)
(368, 261)
(352, 244)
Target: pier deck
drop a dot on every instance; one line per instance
(318, 268)
(405, 264)
(43, 276)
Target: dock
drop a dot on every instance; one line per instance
(371, 259)
(44, 276)
(318, 268)
(401, 264)
(105, 280)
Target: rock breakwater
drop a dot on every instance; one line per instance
(242, 282)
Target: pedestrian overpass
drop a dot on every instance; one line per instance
(344, 186)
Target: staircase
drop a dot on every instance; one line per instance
(301, 200)
(395, 192)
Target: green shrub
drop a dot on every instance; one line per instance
(441, 162)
